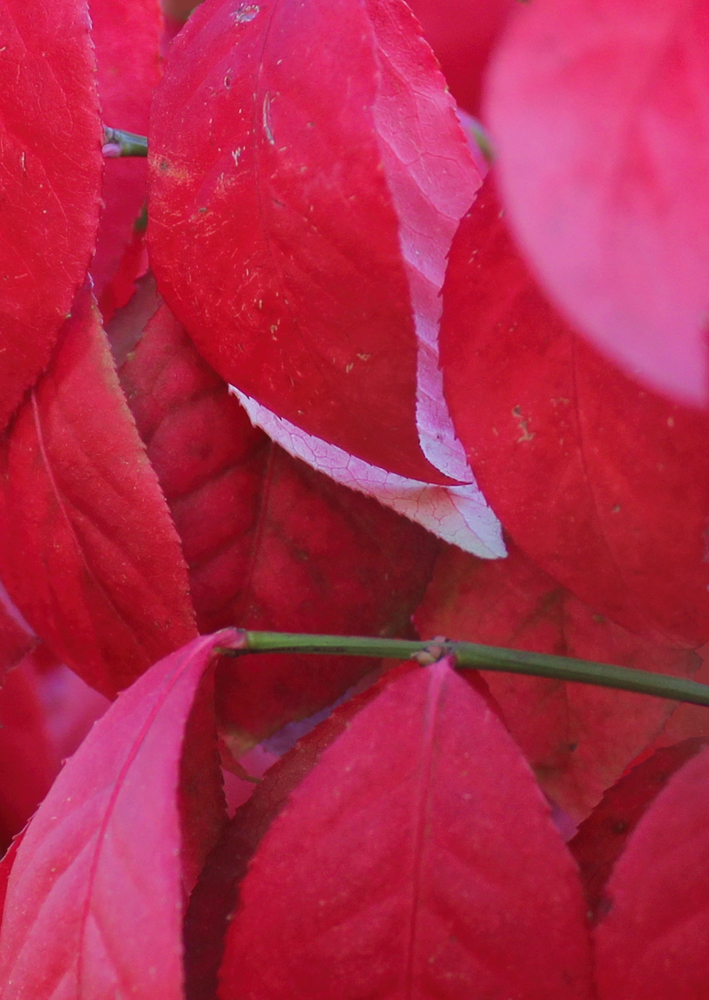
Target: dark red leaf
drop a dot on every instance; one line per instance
(50, 142)
(88, 550)
(126, 34)
(602, 837)
(604, 485)
(417, 858)
(652, 944)
(307, 174)
(95, 895)
(16, 637)
(601, 126)
(578, 738)
(269, 543)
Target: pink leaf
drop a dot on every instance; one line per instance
(601, 124)
(94, 899)
(92, 558)
(50, 142)
(396, 869)
(302, 239)
(603, 484)
(652, 943)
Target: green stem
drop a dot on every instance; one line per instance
(127, 143)
(469, 656)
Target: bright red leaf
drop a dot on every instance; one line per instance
(94, 900)
(652, 943)
(603, 484)
(269, 543)
(307, 175)
(417, 858)
(126, 34)
(601, 127)
(87, 549)
(50, 152)
(578, 738)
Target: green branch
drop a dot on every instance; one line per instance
(470, 656)
(117, 142)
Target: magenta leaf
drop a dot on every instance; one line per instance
(88, 551)
(50, 153)
(417, 858)
(601, 126)
(95, 896)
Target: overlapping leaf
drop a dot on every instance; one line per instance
(603, 484)
(601, 124)
(307, 174)
(578, 738)
(417, 858)
(652, 942)
(94, 898)
(126, 34)
(269, 543)
(50, 152)
(87, 548)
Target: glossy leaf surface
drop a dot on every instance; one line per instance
(87, 550)
(394, 871)
(600, 121)
(50, 195)
(269, 543)
(322, 302)
(578, 738)
(603, 484)
(652, 943)
(94, 899)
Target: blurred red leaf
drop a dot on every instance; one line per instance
(602, 837)
(652, 942)
(50, 142)
(16, 637)
(95, 895)
(127, 35)
(303, 241)
(604, 485)
(395, 869)
(88, 551)
(578, 738)
(270, 544)
(601, 126)
(462, 33)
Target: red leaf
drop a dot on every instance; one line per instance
(602, 837)
(578, 738)
(92, 558)
(16, 637)
(462, 33)
(601, 125)
(50, 142)
(94, 899)
(215, 895)
(652, 943)
(126, 34)
(587, 471)
(269, 543)
(303, 242)
(395, 869)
